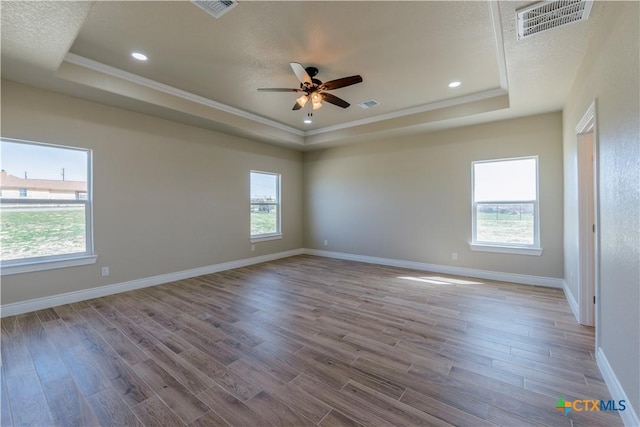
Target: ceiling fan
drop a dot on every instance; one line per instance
(313, 89)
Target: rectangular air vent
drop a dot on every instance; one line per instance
(216, 8)
(368, 104)
(546, 15)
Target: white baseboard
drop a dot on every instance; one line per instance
(572, 301)
(629, 415)
(550, 282)
(71, 297)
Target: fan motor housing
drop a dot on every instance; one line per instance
(312, 71)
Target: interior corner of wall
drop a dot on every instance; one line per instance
(573, 303)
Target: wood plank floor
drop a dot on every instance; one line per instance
(304, 341)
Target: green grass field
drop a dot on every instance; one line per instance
(38, 232)
(264, 222)
(507, 228)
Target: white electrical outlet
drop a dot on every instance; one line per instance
(104, 271)
(253, 248)
(326, 242)
(454, 256)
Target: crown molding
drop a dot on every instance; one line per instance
(494, 12)
(81, 61)
(451, 102)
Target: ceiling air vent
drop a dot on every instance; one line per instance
(368, 104)
(215, 8)
(546, 15)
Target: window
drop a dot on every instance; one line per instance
(505, 206)
(49, 226)
(265, 206)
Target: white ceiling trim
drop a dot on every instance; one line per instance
(81, 61)
(494, 11)
(451, 102)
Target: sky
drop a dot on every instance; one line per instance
(507, 180)
(43, 162)
(263, 185)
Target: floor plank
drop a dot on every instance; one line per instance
(181, 401)
(276, 412)
(154, 412)
(336, 419)
(5, 411)
(67, 404)
(27, 401)
(231, 409)
(220, 374)
(443, 411)
(304, 403)
(362, 412)
(89, 375)
(210, 419)
(111, 410)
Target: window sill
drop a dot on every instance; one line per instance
(29, 267)
(266, 238)
(505, 249)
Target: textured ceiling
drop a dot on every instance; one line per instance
(205, 71)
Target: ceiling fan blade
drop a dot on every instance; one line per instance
(332, 99)
(296, 106)
(301, 73)
(278, 89)
(338, 83)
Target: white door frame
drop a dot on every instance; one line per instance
(589, 239)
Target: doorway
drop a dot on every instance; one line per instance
(588, 217)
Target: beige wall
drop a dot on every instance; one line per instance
(410, 198)
(168, 197)
(609, 74)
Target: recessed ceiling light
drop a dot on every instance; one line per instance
(139, 56)
(307, 121)
(454, 84)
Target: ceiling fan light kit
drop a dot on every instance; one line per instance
(314, 90)
(302, 101)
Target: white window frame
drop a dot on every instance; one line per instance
(503, 247)
(268, 236)
(26, 265)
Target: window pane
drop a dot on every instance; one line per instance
(507, 180)
(33, 161)
(265, 203)
(505, 223)
(264, 219)
(35, 231)
(264, 187)
(35, 179)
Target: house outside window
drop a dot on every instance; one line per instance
(48, 226)
(505, 210)
(265, 206)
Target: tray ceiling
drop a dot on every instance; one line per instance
(206, 71)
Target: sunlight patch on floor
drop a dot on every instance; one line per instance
(437, 280)
(424, 280)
